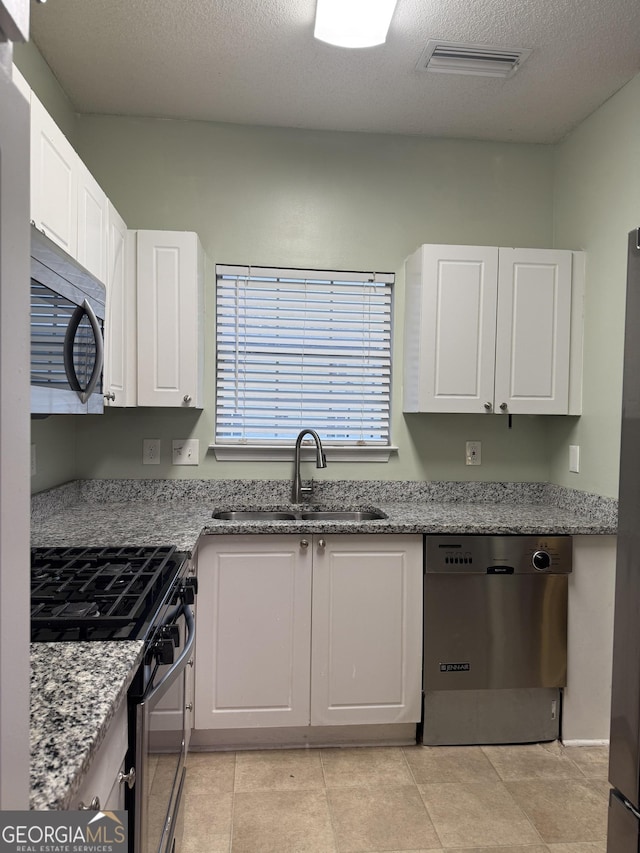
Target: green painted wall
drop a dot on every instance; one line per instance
(597, 202)
(334, 200)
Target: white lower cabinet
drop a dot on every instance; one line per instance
(366, 648)
(103, 787)
(254, 632)
(296, 630)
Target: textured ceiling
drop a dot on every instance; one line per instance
(256, 62)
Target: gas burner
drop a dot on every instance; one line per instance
(100, 593)
(76, 609)
(44, 573)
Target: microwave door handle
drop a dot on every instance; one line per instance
(97, 368)
(69, 339)
(185, 653)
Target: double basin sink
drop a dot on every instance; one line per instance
(303, 514)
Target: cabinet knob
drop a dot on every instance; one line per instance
(187, 398)
(190, 662)
(322, 544)
(189, 706)
(94, 805)
(129, 778)
(488, 406)
(503, 407)
(110, 396)
(304, 544)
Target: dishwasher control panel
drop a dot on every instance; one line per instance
(498, 555)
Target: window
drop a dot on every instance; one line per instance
(302, 348)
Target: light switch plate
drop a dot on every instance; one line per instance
(185, 451)
(574, 458)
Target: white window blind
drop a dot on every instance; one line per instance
(302, 348)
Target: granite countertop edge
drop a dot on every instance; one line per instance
(76, 689)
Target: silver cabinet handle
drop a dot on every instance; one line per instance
(304, 544)
(186, 398)
(129, 778)
(189, 706)
(322, 544)
(94, 805)
(488, 406)
(503, 407)
(190, 662)
(110, 396)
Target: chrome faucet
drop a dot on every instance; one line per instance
(321, 462)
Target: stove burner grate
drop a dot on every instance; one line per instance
(107, 590)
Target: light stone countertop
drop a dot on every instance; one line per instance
(77, 687)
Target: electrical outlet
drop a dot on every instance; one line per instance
(574, 458)
(33, 460)
(151, 451)
(473, 453)
(185, 451)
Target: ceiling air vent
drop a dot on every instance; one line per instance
(450, 57)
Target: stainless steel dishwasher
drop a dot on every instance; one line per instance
(495, 638)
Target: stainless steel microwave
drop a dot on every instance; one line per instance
(67, 332)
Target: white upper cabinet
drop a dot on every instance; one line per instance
(92, 224)
(493, 330)
(450, 328)
(54, 180)
(120, 319)
(533, 332)
(170, 268)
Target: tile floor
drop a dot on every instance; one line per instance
(540, 798)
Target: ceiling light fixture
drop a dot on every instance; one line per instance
(353, 23)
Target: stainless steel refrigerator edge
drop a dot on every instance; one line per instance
(14, 418)
(624, 760)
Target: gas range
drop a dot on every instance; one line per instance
(95, 593)
(132, 593)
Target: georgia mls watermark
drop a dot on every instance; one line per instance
(63, 832)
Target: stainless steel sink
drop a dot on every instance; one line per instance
(342, 515)
(254, 515)
(298, 514)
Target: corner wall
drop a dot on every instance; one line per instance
(596, 204)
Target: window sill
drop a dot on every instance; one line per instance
(284, 453)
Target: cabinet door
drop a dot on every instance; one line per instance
(54, 180)
(92, 224)
(119, 322)
(450, 328)
(367, 630)
(254, 632)
(533, 332)
(102, 777)
(170, 319)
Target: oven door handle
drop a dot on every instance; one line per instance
(171, 675)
